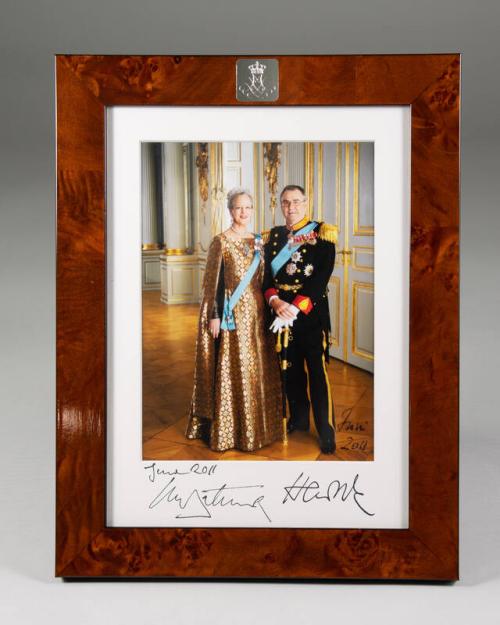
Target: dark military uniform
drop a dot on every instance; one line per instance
(303, 281)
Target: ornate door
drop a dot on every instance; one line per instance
(351, 289)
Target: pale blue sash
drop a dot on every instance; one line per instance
(228, 322)
(286, 252)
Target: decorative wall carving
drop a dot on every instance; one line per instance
(202, 165)
(272, 161)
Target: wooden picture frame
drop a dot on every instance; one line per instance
(85, 546)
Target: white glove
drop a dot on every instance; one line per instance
(278, 324)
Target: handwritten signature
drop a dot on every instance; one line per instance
(305, 490)
(197, 503)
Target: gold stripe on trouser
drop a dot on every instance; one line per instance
(330, 415)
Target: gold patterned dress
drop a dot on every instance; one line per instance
(236, 401)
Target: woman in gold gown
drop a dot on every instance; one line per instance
(237, 402)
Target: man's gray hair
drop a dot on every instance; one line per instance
(293, 187)
(234, 193)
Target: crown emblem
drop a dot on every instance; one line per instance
(258, 68)
(257, 80)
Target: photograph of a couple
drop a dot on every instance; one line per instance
(257, 282)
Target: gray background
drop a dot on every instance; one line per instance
(30, 33)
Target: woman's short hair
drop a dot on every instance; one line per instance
(234, 193)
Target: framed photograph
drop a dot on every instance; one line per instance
(257, 316)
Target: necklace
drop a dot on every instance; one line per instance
(242, 236)
(246, 247)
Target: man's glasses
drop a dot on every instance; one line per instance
(294, 203)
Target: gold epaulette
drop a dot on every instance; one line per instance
(265, 236)
(328, 232)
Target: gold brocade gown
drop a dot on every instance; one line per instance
(237, 402)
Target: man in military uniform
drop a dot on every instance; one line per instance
(300, 257)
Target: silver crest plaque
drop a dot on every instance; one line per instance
(257, 80)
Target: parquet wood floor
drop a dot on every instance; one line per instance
(169, 336)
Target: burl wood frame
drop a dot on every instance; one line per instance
(428, 550)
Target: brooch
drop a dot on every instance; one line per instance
(258, 244)
(296, 257)
(308, 270)
(291, 268)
